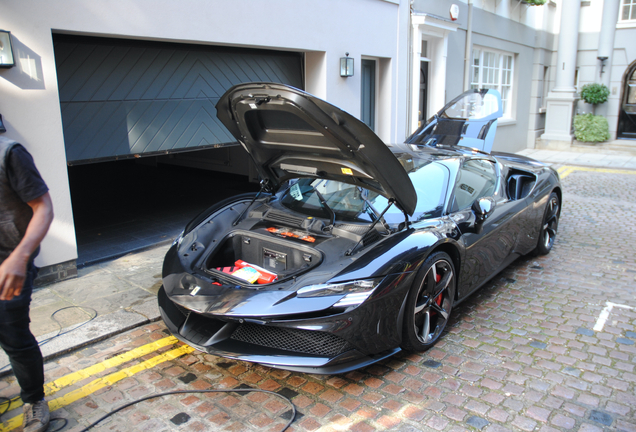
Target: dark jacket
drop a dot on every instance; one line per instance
(15, 214)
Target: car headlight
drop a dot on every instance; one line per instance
(355, 292)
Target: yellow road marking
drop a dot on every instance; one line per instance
(72, 378)
(565, 170)
(102, 382)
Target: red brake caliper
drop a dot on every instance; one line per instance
(438, 300)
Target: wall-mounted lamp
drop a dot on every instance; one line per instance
(603, 60)
(6, 51)
(346, 66)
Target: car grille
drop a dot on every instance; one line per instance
(283, 218)
(300, 341)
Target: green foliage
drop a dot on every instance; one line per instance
(591, 128)
(535, 2)
(594, 93)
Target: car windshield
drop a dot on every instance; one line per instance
(353, 203)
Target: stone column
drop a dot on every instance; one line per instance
(416, 55)
(606, 47)
(562, 99)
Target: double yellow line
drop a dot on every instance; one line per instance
(105, 381)
(565, 170)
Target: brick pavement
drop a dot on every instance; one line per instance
(521, 354)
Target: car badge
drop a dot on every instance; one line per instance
(195, 290)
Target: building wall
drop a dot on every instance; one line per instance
(324, 30)
(509, 26)
(587, 63)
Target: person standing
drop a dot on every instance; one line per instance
(26, 213)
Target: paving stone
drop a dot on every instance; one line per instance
(584, 331)
(538, 413)
(539, 345)
(477, 422)
(601, 417)
(432, 364)
(524, 423)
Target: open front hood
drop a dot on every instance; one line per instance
(291, 134)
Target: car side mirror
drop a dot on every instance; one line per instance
(482, 208)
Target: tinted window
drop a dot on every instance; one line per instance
(475, 179)
(430, 180)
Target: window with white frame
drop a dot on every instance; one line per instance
(494, 70)
(628, 11)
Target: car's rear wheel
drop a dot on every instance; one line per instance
(549, 225)
(429, 303)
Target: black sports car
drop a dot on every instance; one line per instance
(352, 250)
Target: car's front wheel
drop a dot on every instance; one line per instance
(429, 303)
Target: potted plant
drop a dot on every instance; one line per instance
(534, 2)
(594, 94)
(590, 127)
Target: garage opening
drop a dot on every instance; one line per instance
(127, 205)
(144, 147)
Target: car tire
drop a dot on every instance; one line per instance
(549, 225)
(429, 303)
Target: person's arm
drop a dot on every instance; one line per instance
(13, 269)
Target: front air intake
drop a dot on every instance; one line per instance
(295, 340)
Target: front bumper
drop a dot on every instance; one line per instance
(292, 345)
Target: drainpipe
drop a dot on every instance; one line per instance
(469, 46)
(606, 47)
(409, 60)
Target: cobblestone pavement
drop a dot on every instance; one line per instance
(548, 345)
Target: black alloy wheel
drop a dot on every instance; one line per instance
(429, 303)
(549, 226)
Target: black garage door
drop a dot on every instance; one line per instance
(123, 98)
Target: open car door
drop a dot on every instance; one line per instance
(470, 120)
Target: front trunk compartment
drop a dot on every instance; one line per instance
(283, 258)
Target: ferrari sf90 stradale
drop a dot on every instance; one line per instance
(353, 249)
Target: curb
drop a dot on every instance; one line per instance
(79, 336)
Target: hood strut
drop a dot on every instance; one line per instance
(265, 187)
(323, 202)
(350, 251)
